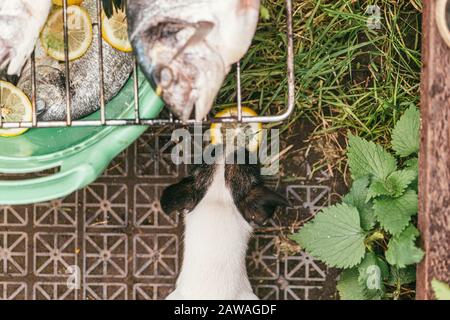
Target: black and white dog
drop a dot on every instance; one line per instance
(222, 204)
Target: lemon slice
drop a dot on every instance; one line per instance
(115, 31)
(69, 2)
(250, 133)
(15, 107)
(80, 33)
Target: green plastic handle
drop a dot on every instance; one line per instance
(78, 169)
(76, 172)
(46, 188)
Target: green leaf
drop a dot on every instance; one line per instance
(334, 236)
(441, 290)
(405, 136)
(372, 272)
(394, 186)
(349, 287)
(398, 181)
(412, 164)
(366, 158)
(112, 5)
(357, 198)
(377, 188)
(401, 276)
(265, 13)
(394, 214)
(402, 250)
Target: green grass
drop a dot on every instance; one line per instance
(349, 77)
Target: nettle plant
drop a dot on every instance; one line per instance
(372, 233)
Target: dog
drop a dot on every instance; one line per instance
(222, 203)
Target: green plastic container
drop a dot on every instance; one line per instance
(81, 153)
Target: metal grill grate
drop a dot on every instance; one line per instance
(138, 120)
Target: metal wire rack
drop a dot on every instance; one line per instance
(138, 120)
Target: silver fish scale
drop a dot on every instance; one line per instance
(144, 10)
(84, 75)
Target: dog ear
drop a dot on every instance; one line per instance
(179, 197)
(260, 204)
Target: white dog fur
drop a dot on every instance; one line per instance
(216, 240)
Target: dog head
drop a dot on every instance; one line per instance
(255, 201)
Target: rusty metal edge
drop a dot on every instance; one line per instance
(422, 282)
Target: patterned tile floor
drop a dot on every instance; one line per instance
(112, 241)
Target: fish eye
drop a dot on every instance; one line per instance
(163, 76)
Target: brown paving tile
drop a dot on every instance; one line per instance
(114, 236)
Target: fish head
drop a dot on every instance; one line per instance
(50, 92)
(183, 69)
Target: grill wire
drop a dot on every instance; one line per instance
(35, 123)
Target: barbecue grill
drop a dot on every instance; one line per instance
(76, 152)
